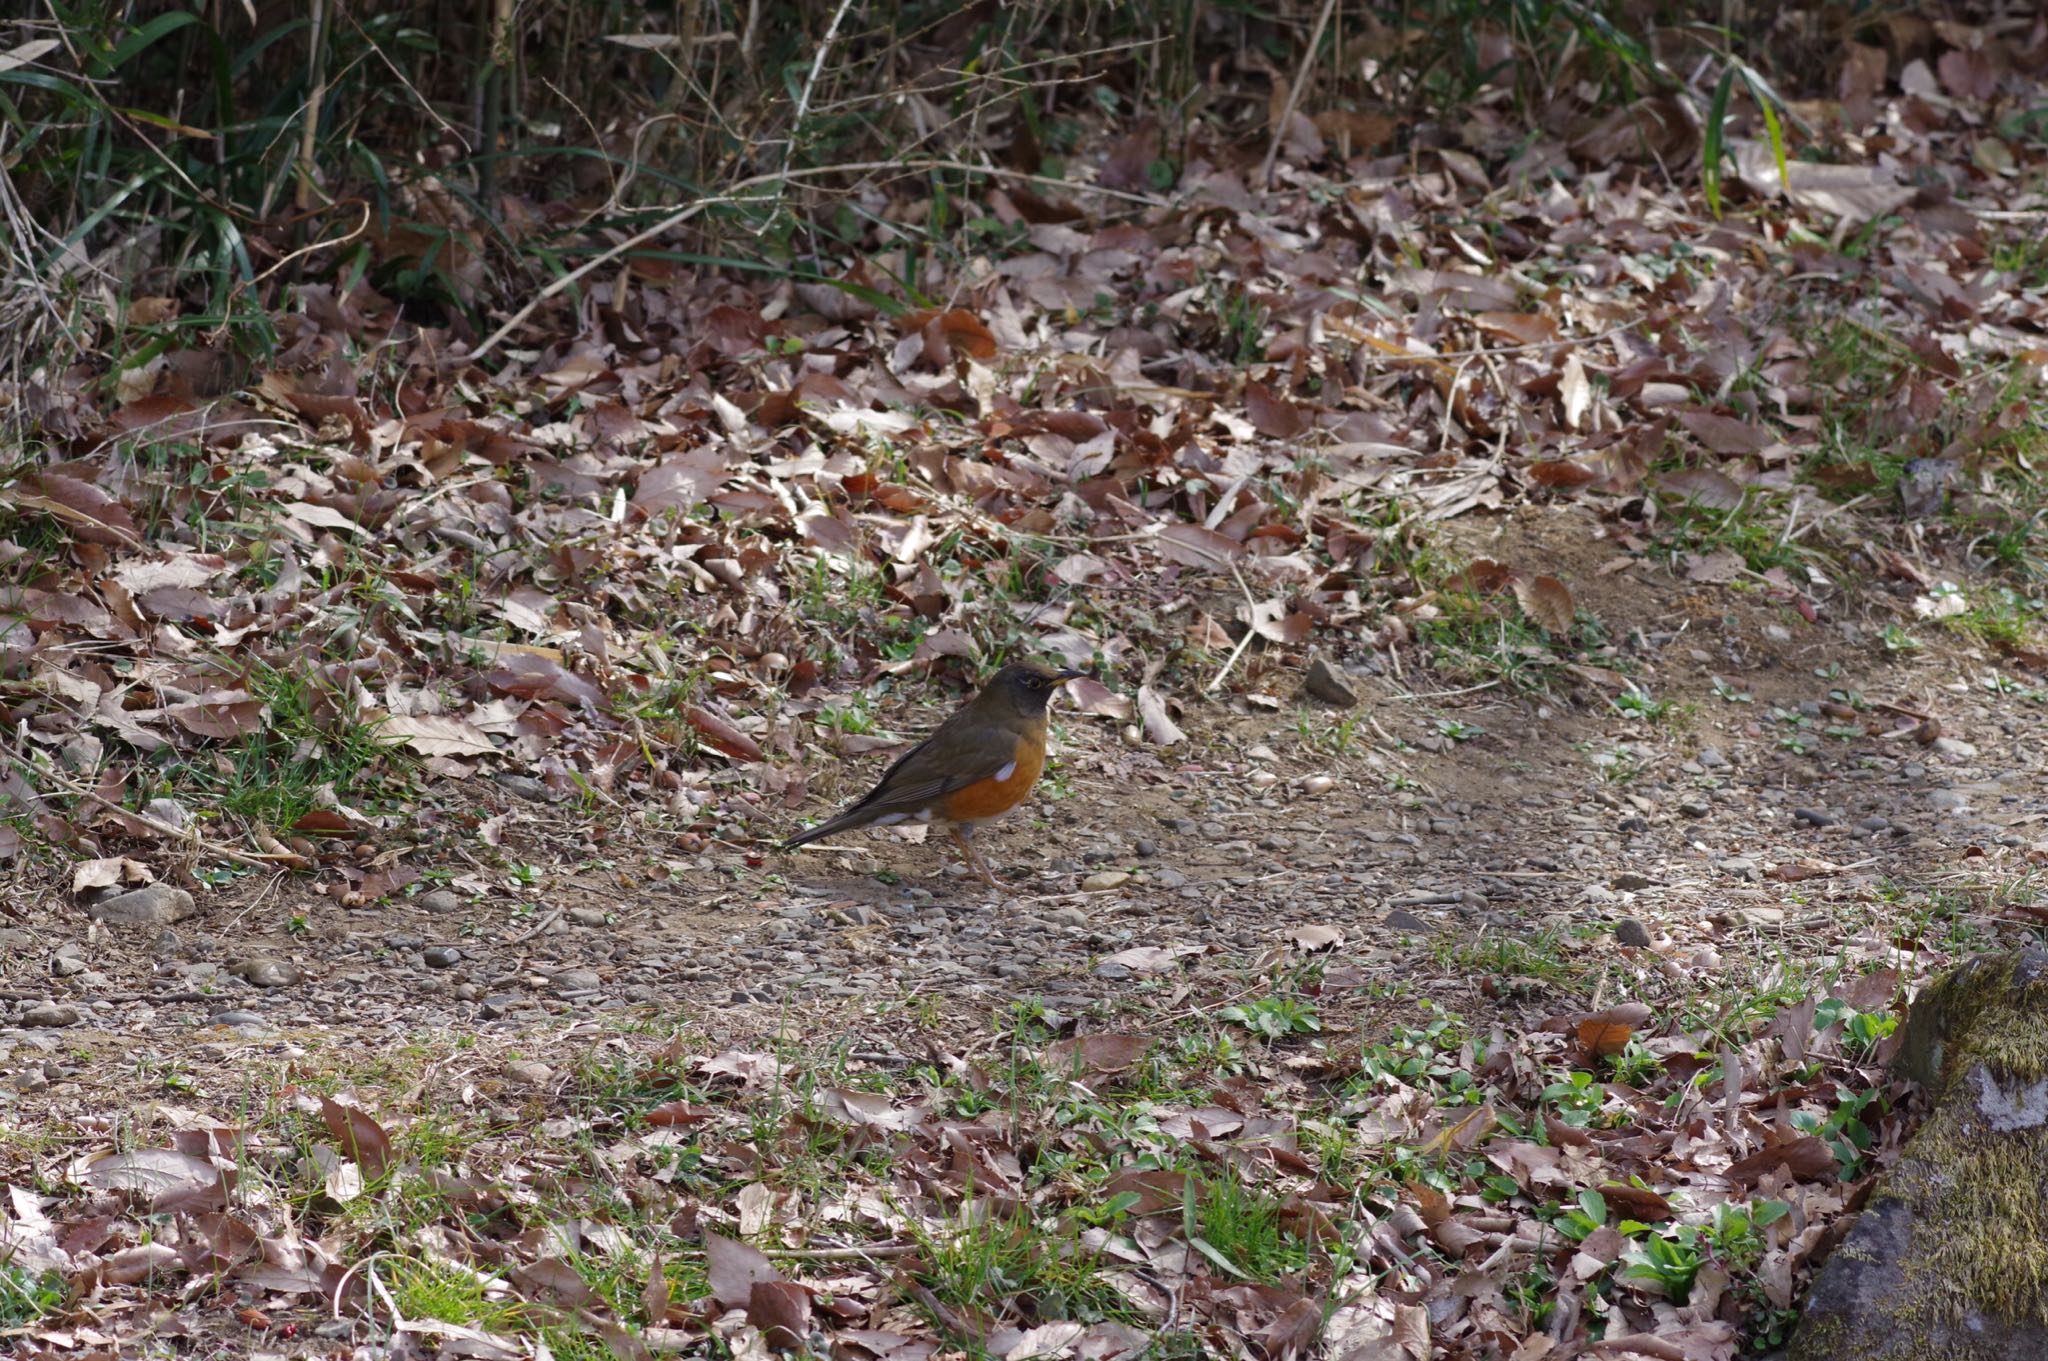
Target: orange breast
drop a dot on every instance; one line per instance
(992, 798)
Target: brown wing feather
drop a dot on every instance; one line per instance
(957, 754)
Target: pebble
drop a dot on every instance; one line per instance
(63, 966)
(265, 973)
(1952, 749)
(237, 1019)
(1632, 933)
(1710, 758)
(1947, 800)
(441, 957)
(1695, 807)
(528, 1072)
(440, 900)
(1401, 919)
(1323, 683)
(49, 1016)
(576, 980)
(1628, 881)
(1813, 817)
(150, 905)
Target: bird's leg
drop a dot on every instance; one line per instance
(963, 838)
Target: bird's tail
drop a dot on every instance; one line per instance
(845, 822)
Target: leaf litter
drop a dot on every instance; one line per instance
(329, 620)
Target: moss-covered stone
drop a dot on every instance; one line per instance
(1949, 1261)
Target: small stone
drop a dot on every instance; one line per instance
(526, 787)
(1323, 683)
(528, 1072)
(63, 966)
(440, 900)
(1813, 817)
(441, 957)
(1710, 758)
(1633, 824)
(237, 1019)
(1947, 800)
(149, 905)
(1764, 916)
(498, 1004)
(1628, 881)
(169, 812)
(1953, 749)
(265, 973)
(1401, 919)
(1104, 880)
(576, 980)
(589, 916)
(1633, 933)
(1113, 971)
(1145, 848)
(49, 1016)
(1695, 807)
(1741, 867)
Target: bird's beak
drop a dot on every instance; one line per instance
(1066, 674)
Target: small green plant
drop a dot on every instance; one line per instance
(1897, 642)
(27, 1296)
(1273, 1018)
(1728, 694)
(1843, 1129)
(1670, 1262)
(1458, 731)
(1862, 1031)
(1579, 1099)
(1241, 1228)
(1636, 704)
(983, 1258)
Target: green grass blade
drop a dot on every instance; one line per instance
(1711, 144)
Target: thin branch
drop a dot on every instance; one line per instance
(677, 219)
(1308, 58)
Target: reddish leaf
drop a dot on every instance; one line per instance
(361, 1139)
(1725, 434)
(722, 734)
(782, 1311)
(1272, 415)
(1096, 1053)
(1807, 1158)
(734, 1269)
(1193, 546)
(1702, 486)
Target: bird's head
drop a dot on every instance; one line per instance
(1027, 686)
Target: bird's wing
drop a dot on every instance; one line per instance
(950, 759)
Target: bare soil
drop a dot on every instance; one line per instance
(1731, 831)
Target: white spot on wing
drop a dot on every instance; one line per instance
(1009, 769)
(925, 815)
(890, 819)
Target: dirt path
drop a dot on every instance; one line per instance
(1464, 839)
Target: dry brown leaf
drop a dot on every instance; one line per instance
(1547, 603)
